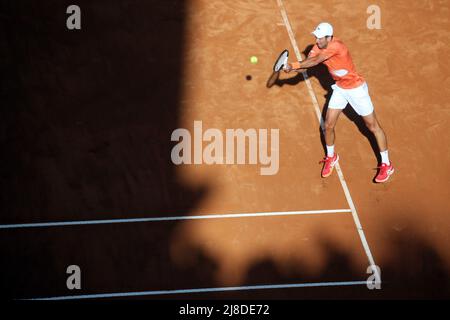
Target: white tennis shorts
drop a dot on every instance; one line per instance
(358, 98)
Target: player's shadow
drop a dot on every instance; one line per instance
(321, 73)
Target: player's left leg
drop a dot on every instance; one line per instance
(373, 125)
(360, 100)
(386, 169)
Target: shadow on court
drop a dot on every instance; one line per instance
(138, 258)
(86, 119)
(413, 270)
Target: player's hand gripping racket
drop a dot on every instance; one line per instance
(280, 64)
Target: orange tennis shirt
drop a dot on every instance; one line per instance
(339, 64)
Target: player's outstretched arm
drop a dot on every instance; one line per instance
(308, 63)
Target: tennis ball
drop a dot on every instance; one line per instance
(253, 59)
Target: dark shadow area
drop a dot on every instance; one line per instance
(122, 260)
(320, 72)
(414, 270)
(87, 115)
(86, 118)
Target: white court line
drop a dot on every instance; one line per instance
(195, 217)
(220, 289)
(338, 168)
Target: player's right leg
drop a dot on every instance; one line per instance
(336, 105)
(332, 157)
(330, 123)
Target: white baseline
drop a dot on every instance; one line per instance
(157, 219)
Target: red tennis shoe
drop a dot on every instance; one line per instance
(329, 163)
(385, 171)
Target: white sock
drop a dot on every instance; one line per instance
(330, 151)
(385, 157)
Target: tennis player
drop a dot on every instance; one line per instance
(350, 88)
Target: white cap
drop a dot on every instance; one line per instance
(323, 30)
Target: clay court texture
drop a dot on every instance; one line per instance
(87, 118)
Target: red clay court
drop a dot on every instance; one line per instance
(88, 179)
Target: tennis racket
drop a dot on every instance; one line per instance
(280, 64)
(281, 61)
